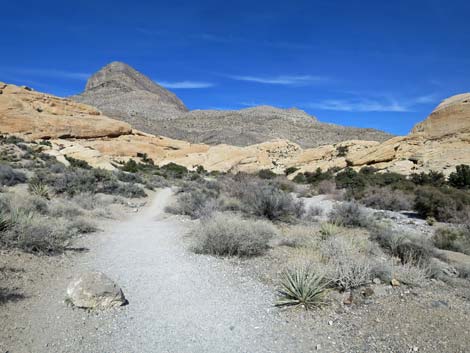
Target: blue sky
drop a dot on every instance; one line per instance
(382, 64)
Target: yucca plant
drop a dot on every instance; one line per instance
(302, 286)
(5, 222)
(328, 229)
(40, 189)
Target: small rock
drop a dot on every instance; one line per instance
(330, 323)
(94, 290)
(395, 283)
(348, 299)
(377, 281)
(367, 292)
(318, 347)
(439, 304)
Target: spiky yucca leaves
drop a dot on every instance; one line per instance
(302, 286)
(328, 229)
(5, 222)
(40, 189)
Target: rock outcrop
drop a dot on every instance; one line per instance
(94, 290)
(42, 116)
(123, 93)
(439, 143)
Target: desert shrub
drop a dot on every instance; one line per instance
(326, 187)
(10, 176)
(312, 213)
(411, 274)
(78, 181)
(64, 208)
(77, 163)
(461, 177)
(301, 285)
(83, 226)
(313, 177)
(195, 200)
(347, 262)
(351, 180)
(32, 233)
(454, 239)
(271, 203)
(290, 170)
(348, 214)
(432, 178)
(384, 198)
(408, 248)
(230, 235)
(342, 151)
(129, 177)
(444, 204)
(174, 170)
(266, 174)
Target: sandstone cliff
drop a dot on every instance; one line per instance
(440, 142)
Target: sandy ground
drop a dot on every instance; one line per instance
(182, 302)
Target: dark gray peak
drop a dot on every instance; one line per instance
(123, 92)
(121, 75)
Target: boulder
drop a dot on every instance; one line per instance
(95, 290)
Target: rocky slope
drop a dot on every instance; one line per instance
(440, 142)
(122, 92)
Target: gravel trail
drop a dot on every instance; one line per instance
(178, 301)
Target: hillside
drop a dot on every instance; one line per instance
(120, 91)
(125, 94)
(438, 143)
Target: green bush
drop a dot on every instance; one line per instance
(230, 235)
(266, 174)
(385, 198)
(77, 163)
(461, 177)
(432, 178)
(444, 204)
(290, 170)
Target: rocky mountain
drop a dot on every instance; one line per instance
(125, 94)
(440, 142)
(122, 92)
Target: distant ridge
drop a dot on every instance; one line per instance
(123, 93)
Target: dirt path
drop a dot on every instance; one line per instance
(182, 302)
(179, 302)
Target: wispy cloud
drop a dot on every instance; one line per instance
(371, 105)
(357, 106)
(289, 80)
(82, 76)
(186, 84)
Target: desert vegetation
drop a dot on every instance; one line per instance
(44, 204)
(347, 247)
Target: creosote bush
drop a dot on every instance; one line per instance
(347, 262)
(10, 176)
(231, 235)
(384, 198)
(454, 239)
(348, 214)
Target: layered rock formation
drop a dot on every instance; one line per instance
(439, 143)
(122, 92)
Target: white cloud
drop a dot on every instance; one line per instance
(358, 106)
(186, 84)
(282, 79)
